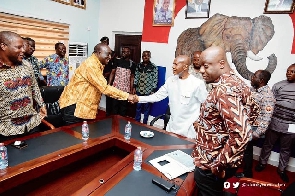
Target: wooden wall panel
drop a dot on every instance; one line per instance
(45, 33)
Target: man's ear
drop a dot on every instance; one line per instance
(3, 46)
(221, 63)
(185, 67)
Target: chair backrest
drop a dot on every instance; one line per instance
(167, 117)
(51, 94)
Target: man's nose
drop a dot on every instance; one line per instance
(202, 70)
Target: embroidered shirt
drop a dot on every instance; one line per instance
(35, 65)
(86, 87)
(284, 112)
(266, 101)
(146, 78)
(124, 70)
(222, 128)
(57, 70)
(17, 92)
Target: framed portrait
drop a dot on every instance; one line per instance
(163, 12)
(197, 9)
(279, 7)
(79, 3)
(67, 2)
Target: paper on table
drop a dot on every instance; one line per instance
(291, 128)
(178, 163)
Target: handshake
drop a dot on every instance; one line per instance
(133, 98)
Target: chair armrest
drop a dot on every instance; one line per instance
(156, 118)
(47, 124)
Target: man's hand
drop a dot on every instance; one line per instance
(217, 173)
(43, 112)
(132, 98)
(255, 136)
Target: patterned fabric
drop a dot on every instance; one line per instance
(265, 98)
(53, 108)
(222, 128)
(34, 62)
(124, 70)
(86, 87)
(17, 92)
(146, 78)
(284, 112)
(57, 70)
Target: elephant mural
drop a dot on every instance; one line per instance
(241, 36)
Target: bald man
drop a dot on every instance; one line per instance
(186, 93)
(80, 98)
(18, 89)
(222, 128)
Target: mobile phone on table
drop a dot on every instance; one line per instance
(19, 144)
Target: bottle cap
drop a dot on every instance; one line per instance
(1, 144)
(139, 147)
(128, 122)
(84, 121)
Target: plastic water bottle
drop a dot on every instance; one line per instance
(128, 128)
(137, 159)
(85, 131)
(3, 156)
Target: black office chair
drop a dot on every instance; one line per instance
(166, 117)
(50, 95)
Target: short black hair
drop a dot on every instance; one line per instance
(104, 39)
(28, 39)
(126, 47)
(265, 75)
(57, 44)
(147, 51)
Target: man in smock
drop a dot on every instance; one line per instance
(186, 93)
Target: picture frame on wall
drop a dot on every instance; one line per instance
(79, 3)
(197, 9)
(163, 12)
(279, 7)
(66, 2)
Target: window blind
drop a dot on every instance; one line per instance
(45, 33)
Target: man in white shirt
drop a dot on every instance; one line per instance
(186, 93)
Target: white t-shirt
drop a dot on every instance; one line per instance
(185, 98)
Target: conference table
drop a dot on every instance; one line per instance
(59, 162)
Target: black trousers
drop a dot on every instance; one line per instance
(109, 106)
(68, 115)
(248, 159)
(208, 184)
(120, 107)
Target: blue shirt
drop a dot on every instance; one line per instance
(57, 70)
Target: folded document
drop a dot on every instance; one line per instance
(177, 163)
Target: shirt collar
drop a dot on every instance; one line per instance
(263, 88)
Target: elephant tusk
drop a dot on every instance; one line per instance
(252, 56)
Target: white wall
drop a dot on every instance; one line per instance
(80, 20)
(120, 17)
